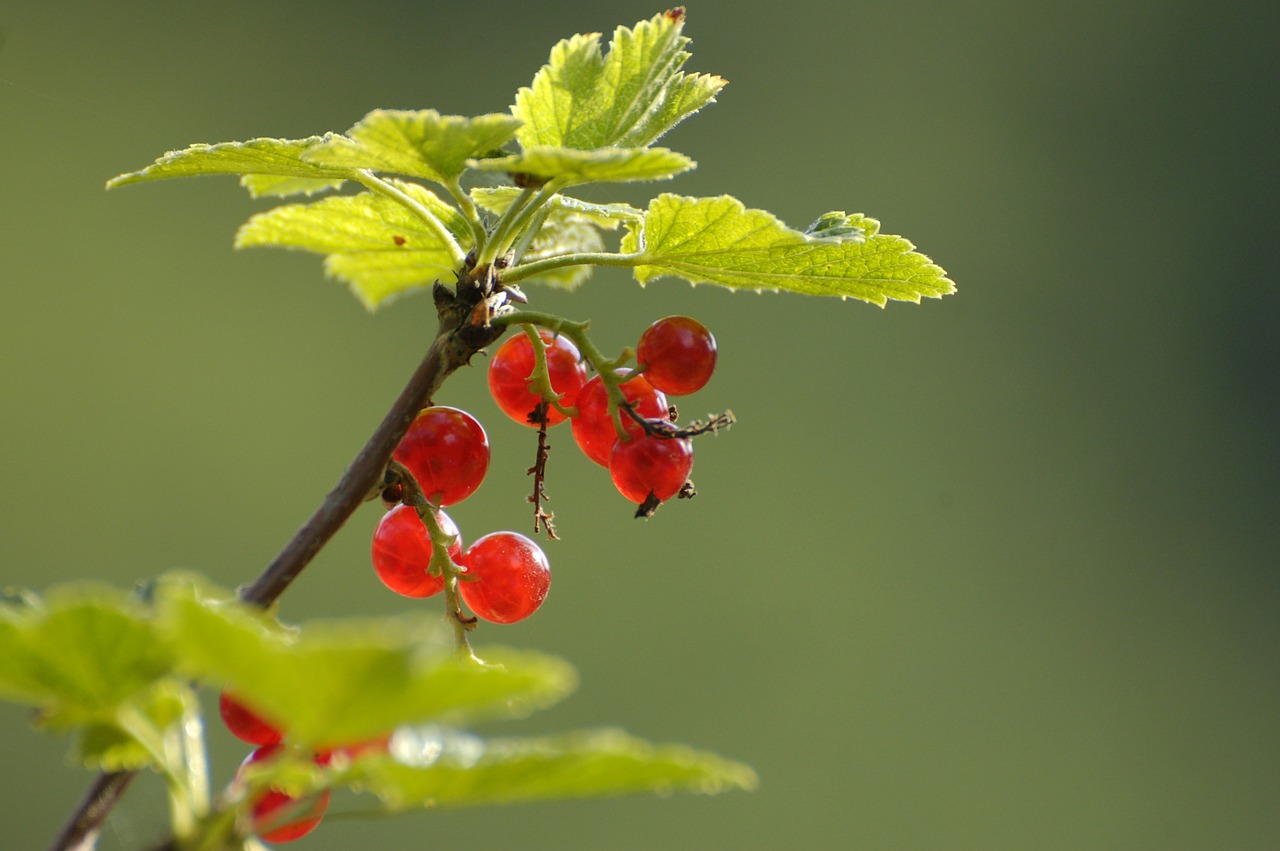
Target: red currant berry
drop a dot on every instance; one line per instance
(448, 453)
(511, 577)
(677, 355)
(593, 428)
(280, 817)
(512, 365)
(402, 551)
(644, 465)
(245, 724)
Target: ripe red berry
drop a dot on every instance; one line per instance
(402, 551)
(448, 453)
(593, 428)
(245, 724)
(513, 363)
(278, 816)
(512, 577)
(677, 355)
(644, 465)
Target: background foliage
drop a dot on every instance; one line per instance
(993, 572)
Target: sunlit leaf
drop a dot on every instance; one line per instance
(420, 143)
(343, 682)
(718, 240)
(583, 99)
(273, 158)
(447, 768)
(374, 243)
(570, 167)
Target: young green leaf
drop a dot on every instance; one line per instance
(343, 682)
(439, 767)
(269, 166)
(92, 660)
(570, 167)
(563, 235)
(420, 143)
(374, 243)
(121, 743)
(81, 654)
(629, 98)
(718, 240)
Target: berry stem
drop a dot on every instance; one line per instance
(577, 332)
(540, 379)
(440, 563)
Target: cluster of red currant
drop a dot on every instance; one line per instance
(506, 574)
(648, 459)
(276, 816)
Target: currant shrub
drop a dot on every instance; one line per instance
(280, 817)
(593, 428)
(647, 465)
(511, 577)
(402, 552)
(245, 724)
(448, 453)
(677, 354)
(513, 363)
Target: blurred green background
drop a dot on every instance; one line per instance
(998, 571)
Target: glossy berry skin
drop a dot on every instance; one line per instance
(402, 551)
(645, 465)
(245, 724)
(593, 428)
(677, 355)
(513, 363)
(512, 577)
(448, 453)
(273, 805)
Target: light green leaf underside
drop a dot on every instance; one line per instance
(563, 234)
(497, 199)
(465, 770)
(279, 158)
(570, 167)
(279, 186)
(351, 681)
(116, 744)
(583, 99)
(718, 240)
(420, 143)
(374, 243)
(82, 654)
(92, 660)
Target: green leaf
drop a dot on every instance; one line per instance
(81, 654)
(420, 144)
(441, 767)
(117, 744)
(496, 199)
(270, 166)
(563, 234)
(570, 167)
(718, 240)
(374, 243)
(92, 660)
(629, 98)
(344, 682)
